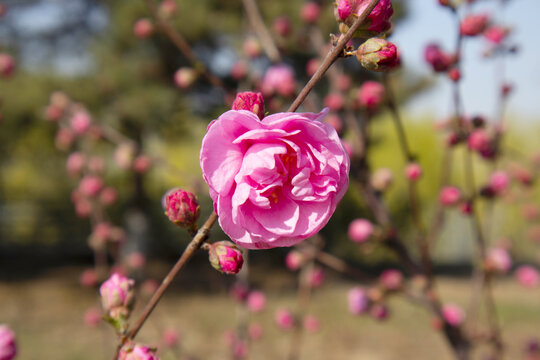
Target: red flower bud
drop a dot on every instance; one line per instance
(251, 101)
(226, 257)
(181, 207)
(378, 55)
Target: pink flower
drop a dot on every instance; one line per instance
(92, 317)
(181, 207)
(136, 260)
(117, 295)
(8, 346)
(251, 47)
(108, 196)
(284, 319)
(449, 195)
(75, 163)
(316, 277)
(413, 171)
(137, 352)
(279, 79)
(453, 314)
(479, 141)
(294, 260)
(499, 260)
(473, 25)
(282, 25)
(64, 138)
(378, 55)
(360, 230)
(371, 95)
(274, 182)
(90, 185)
(527, 276)
(142, 163)
(7, 65)
(310, 12)
(256, 301)
(80, 122)
(143, 28)
(250, 101)
(358, 301)
(391, 279)
(170, 337)
(380, 312)
(378, 21)
(226, 257)
(496, 34)
(311, 323)
(499, 181)
(439, 60)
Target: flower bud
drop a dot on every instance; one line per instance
(284, 319)
(8, 346)
(226, 257)
(185, 77)
(498, 260)
(315, 277)
(479, 141)
(118, 296)
(378, 55)
(413, 171)
(334, 101)
(90, 185)
(143, 28)
(142, 164)
(310, 12)
(7, 65)
(498, 182)
(80, 122)
(167, 8)
(256, 301)
(358, 301)
(137, 352)
(380, 312)
(391, 279)
(182, 208)
(360, 230)
(251, 101)
(454, 74)
(371, 95)
(527, 276)
(294, 260)
(75, 163)
(282, 26)
(453, 314)
(377, 22)
(449, 195)
(496, 34)
(439, 60)
(279, 79)
(473, 25)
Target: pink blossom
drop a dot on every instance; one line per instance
(294, 260)
(181, 207)
(167, 8)
(137, 352)
(250, 101)
(226, 257)
(88, 278)
(479, 140)
(311, 323)
(256, 301)
(255, 331)
(378, 21)
(282, 25)
(279, 79)
(527, 276)
(316, 277)
(252, 47)
(274, 182)
(334, 101)
(117, 295)
(239, 292)
(454, 74)
(358, 301)
(474, 24)
(142, 163)
(136, 260)
(453, 314)
(378, 55)
(413, 171)
(7, 65)
(498, 182)
(371, 95)
(92, 317)
(185, 77)
(449, 195)
(360, 230)
(498, 260)
(80, 122)
(90, 185)
(310, 12)
(170, 337)
(75, 163)
(496, 34)
(64, 139)
(439, 60)
(53, 113)
(391, 279)
(8, 346)
(379, 312)
(284, 319)
(143, 28)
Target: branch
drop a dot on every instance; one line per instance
(257, 23)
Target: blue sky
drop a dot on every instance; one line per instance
(428, 21)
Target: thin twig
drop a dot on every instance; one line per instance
(257, 23)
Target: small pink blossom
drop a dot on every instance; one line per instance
(360, 230)
(279, 79)
(250, 101)
(256, 301)
(449, 195)
(92, 318)
(80, 122)
(371, 95)
(358, 301)
(64, 139)
(454, 74)
(170, 337)
(8, 345)
(527, 276)
(142, 164)
(310, 12)
(473, 24)
(90, 185)
(479, 140)
(143, 28)
(453, 314)
(75, 163)
(311, 323)
(334, 101)
(498, 182)
(496, 34)
(378, 21)
(282, 25)
(413, 171)
(439, 60)
(284, 319)
(294, 260)
(274, 182)
(391, 279)
(316, 277)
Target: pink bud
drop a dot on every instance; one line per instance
(226, 257)
(439, 60)
(75, 163)
(311, 66)
(252, 47)
(284, 319)
(498, 182)
(473, 25)
(88, 278)
(170, 337)
(311, 323)
(136, 260)
(279, 79)
(378, 55)
(124, 155)
(371, 95)
(527, 276)
(108, 196)
(117, 295)
(255, 331)
(185, 77)
(360, 230)
(181, 207)
(479, 140)
(379, 312)
(250, 101)
(7, 65)
(453, 314)
(498, 260)
(358, 301)
(294, 260)
(344, 8)
(391, 279)
(64, 139)
(449, 195)
(137, 352)
(80, 122)
(413, 171)
(310, 12)
(316, 277)
(378, 21)
(53, 113)
(90, 185)
(143, 28)
(334, 101)
(496, 34)
(239, 292)
(454, 74)
(142, 164)
(282, 25)
(8, 345)
(382, 179)
(256, 301)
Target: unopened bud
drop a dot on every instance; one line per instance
(449, 195)
(378, 55)
(413, 171)
(473, 25)
(360, 230)
(371, 95)
(185, 77)
(117, 299)
(137, 352)
(143, 28)
(251, 101)
(182, 208)
(226, 257)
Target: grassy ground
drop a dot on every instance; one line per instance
(47, 315)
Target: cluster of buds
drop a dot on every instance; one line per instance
(117, 300)
(225, 257)
(182, 208)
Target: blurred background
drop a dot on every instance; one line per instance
(91, 54)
